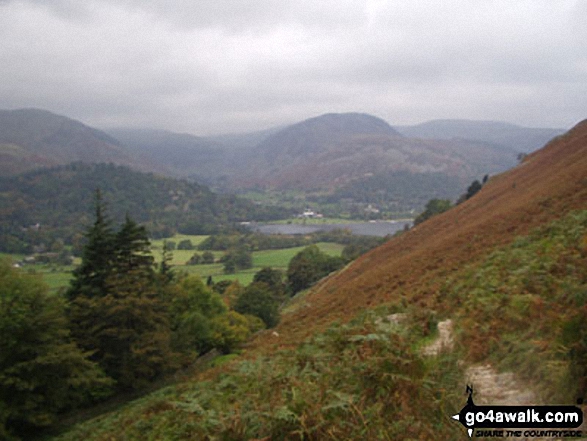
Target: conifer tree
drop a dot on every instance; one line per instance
(126, 325)
(132, 336)
(89, 279)
(132, 250)
(164, 267)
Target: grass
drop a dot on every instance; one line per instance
(55, 276)
(521, 308)
(216, 270)
(280, 258)
(196, 240)
(58, 277)
(277, 259)
(180, 257)
(12, 257)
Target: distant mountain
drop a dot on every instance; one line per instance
(178, 154)
(32, 138)
(235, 141)
(520, 139)
(60, 201)
(333, 150)
(320, 134)
(335, 154)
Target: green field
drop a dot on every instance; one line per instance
(55, 276)
(180, 257)
(58, 277)
(278, 259)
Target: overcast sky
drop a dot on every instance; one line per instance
(214, 66)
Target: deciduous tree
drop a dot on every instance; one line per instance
(258, 300)
(42, 371)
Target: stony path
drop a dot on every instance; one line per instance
(490, 386)
(498, 388)
(443, 341)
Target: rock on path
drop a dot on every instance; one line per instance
(443, 341)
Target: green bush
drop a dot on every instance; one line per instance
(258, 300)
(309, 266)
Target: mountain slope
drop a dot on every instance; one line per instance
(60, 199)
(31, 138)
(333, 150)
(315, 135)
(547, 185)
(520, 139)
(180, 154)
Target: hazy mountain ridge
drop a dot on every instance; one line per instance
(179, 154)
(311, 155)
(314, 135)
(322, 153)
(521, 139)
(32, 138)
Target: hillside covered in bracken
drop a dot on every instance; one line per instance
(549, 184)
(356, 357)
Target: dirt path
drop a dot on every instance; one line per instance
(443, 341)
(503, 388)
(490, 387)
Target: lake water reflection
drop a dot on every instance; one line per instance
(380, 228)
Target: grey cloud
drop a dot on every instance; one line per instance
(251, 16)
(210, 65)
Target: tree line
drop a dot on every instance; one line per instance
(122, 323)
(44, 206)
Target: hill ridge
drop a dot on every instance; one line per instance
(32, 138)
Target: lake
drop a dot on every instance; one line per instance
(378, 228)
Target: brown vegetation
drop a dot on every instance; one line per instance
(412, 267)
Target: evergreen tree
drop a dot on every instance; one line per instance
(132, 334)
(473, 189)
(126, 325)
(164, 267)
(89, 279)
(132, 250)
